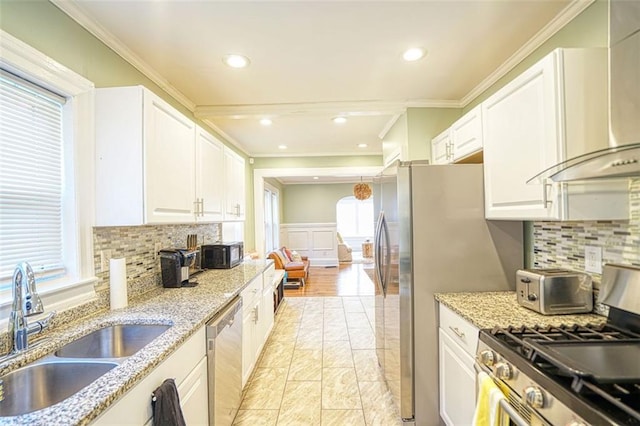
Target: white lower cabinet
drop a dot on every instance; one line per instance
(251, 336)
(188, 367)
(457, 380)
(257, 319)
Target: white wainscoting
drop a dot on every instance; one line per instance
(318, 241)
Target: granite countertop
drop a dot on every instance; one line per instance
(186, 309)
(501, 309)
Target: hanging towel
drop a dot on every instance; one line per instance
(488, 405)
(166, 405)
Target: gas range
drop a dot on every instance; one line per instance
(573, 374)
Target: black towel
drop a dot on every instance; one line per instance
(166, 405)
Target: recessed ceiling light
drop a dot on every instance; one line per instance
(413, 54)
(316, 178)
(282, 147)
(340, 120)
(236, 61)
(362, 145)
(266, 122)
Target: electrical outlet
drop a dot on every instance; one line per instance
(593, 259)
(105, 256)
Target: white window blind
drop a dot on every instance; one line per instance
(31, 178)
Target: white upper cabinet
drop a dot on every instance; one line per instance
(441, 148)
(209, 181)
(145, 151)
(555, 110)
(462, 139)
(466, 134)
(234, 186)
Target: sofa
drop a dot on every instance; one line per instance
(296, 270)
(344, 250)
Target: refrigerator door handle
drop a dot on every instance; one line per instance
(387, 257)
(378, 250)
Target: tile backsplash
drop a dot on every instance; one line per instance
(138, 245)
(562, 244)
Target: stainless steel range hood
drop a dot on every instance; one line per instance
(622, 158)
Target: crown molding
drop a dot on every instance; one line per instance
(77, 14)
(226, 136)
(572, 10)
(319, 154)
(346, 108)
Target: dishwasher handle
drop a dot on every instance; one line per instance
(224, 319)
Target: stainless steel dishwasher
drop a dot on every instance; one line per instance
(224, 359)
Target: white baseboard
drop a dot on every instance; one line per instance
(332, 261)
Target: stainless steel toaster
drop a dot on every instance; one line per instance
(554, 291)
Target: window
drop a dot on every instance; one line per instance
(46, 176)
(31, 179)
(271, 218)
(354, 217)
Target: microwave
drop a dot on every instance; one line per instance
(221, 256)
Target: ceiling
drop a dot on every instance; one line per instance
(314, 60)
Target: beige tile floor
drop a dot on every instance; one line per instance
(319, 367)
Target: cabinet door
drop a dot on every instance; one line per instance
(520, 135)
(169, 163)
(194, 396)
(209, 176)
(234, 186)
(441, 148)
(249, 333)
(466, 134)
(457, 383)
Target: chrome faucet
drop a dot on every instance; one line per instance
(26, 303)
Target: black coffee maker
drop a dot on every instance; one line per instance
(175, 264)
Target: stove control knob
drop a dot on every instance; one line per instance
(504, 371)
(534, 397)
(487, 357)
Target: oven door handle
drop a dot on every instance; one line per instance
(507, 409)
(511, 413)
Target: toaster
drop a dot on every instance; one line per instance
(554, 291)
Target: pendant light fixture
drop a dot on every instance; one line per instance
(361, 190)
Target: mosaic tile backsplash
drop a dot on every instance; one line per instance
(561, 244)
(138, 245)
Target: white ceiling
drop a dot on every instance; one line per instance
(313, 60)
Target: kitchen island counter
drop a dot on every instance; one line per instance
(501, 309)
(186, 309)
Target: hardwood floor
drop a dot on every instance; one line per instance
(344, 280)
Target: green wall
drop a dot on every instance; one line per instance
(313, 203)
(46, 28)
(425, 124)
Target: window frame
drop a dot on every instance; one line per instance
(77, 286)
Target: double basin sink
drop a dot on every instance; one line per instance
(72, 367)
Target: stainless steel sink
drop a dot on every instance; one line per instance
(115, 341)
(46, 383)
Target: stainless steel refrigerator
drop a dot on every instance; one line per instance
(431, 236)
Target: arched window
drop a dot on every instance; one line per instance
(354, 218)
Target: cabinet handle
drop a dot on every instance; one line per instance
(201, 202)
(255, 314)
(545, 196)
(457, 332)
(238, 210)
(196, 210)
(449, 150)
